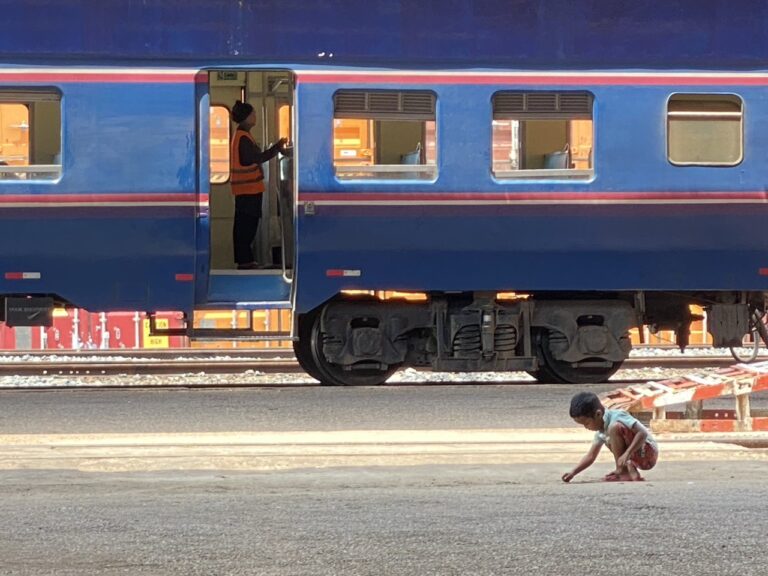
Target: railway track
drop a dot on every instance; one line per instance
(156, 367)
(272, 362)
(150, 353)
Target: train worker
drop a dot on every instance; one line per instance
(631, 443)
(247, 180)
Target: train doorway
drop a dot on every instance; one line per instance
(271, 94)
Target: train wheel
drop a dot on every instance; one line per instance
(302, 348)
(552, 371)
(334, 375)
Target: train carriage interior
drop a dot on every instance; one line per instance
(30, 135)
(540, 131)
(384, 135)
(271, 93)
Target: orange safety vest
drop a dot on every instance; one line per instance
(244, 179)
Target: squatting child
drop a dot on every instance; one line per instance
(631, 443)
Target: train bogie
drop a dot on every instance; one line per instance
(353, 341)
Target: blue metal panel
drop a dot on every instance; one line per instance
(141, 138)
(686, 246)
(131, 144)
(471, 33)
(629, 149)
(124, 138)
(101, 262)
(545, 248)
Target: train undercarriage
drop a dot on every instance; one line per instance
(574, 338)
(556, 337)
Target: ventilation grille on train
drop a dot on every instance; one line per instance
(29, 95)
(542, 105)
(409, 105)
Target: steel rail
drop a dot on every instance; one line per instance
(136, 367)
(288, 365)
(166, 353)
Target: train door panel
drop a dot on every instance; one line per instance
(282, 214)
(271, 93)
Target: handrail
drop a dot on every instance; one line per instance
(387, 168)
(544, 174)
(703, 114)
(47, 168)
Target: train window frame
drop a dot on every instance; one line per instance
(551, 107)
(374, 106)
(34, 172)
(210, 145)
(698, 115)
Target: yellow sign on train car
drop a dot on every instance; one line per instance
(155, 341)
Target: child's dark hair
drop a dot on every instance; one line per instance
(585, 404)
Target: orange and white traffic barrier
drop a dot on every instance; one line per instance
(738, 381)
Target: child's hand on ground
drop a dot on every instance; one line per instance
(568, 476)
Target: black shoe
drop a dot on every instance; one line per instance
(249, 266)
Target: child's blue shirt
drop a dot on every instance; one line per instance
(611, 416)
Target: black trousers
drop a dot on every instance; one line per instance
(247, 216)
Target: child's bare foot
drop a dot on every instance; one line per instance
(616, 478)
(633, 474)
(628, 473)
(612, 478)
(619, 472)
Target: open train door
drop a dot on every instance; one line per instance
(271, 93)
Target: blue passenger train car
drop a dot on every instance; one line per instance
(545, 174)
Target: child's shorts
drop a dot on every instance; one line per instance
(644, 458)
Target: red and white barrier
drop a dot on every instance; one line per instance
(738, 381)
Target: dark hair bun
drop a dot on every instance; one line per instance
(241, 111)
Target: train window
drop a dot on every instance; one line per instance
(542, 135)
(384, 135)
(219, 144)
(284, 124)
(705, 130)
(30, 135)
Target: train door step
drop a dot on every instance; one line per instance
(240, 334)
(245, 333)
(242, 286)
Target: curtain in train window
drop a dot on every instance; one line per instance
(387, 135)
(705, 130)
(30, 135)
(542, 135)
(219, 144)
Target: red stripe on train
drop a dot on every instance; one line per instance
(517, 196)
(103, 77)
(532, 80)
(198, 77)
(95, 198)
